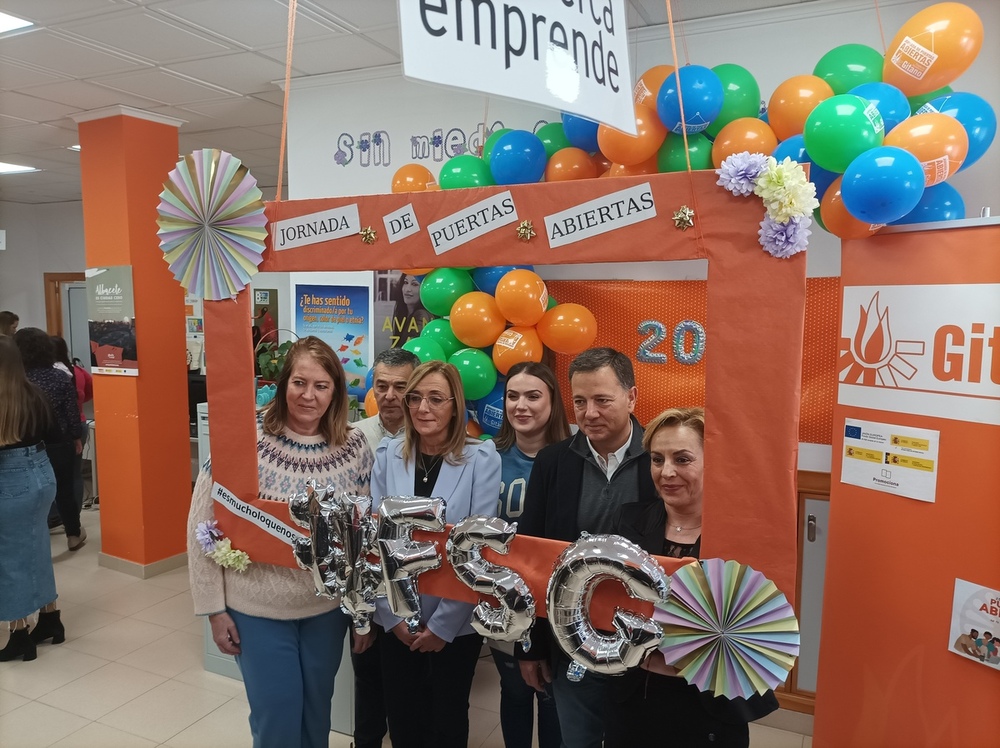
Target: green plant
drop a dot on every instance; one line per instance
(271, 359)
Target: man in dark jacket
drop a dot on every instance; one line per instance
(580, 484)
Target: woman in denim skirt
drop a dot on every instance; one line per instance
(27, 488)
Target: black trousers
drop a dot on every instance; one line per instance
(369, 698)
(63, 459)
(427, 693)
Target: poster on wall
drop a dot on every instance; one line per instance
(265, 316)
(901, 460)
(111, 318)
(975, 623)
(338, 315)
(194, 319)
(399, 315)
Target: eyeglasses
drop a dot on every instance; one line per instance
(435, 402)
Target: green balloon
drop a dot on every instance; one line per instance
(425, 349)
(670, 157)
(465, 170)
(841, 128)
(442, 287)
(476, 370)
(552, 302)
(553, 137)
(920, 99)
(818, 218)
(849, 65)
(740, 97)
(491, 141)
(439, 330)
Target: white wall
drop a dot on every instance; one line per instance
(40, 239)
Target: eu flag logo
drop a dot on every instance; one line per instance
(852, 432)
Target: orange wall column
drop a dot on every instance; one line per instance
(143, 448)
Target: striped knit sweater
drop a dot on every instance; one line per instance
(285, 463)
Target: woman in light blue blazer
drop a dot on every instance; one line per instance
(428, 675)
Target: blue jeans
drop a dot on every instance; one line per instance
(27, 486)
(582, 706)
(288, 669)
(517, 706)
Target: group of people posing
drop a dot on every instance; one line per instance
(612, 476)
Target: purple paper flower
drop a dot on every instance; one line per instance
(785, 239)
(739, 171)
(207, 533)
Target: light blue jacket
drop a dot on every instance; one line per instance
(468, 488)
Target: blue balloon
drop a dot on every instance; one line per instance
(795, 149)
(891, 103)
(702, 92)
(486, 279)
(580, 132)
(938, 203)
(975, 115)
(489, 409)
(518, 158)
(882, 185)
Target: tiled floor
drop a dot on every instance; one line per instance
(130, 672)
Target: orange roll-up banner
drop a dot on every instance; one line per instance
(920, 362)
(755, 308)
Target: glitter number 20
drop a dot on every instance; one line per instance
(657, 333)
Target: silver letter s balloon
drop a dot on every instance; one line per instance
(580, 568)
(403, 558)
(513, 619)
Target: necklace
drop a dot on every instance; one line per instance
(423, 465)
(678, 528)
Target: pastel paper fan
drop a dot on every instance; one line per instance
(727, 629)
(212, 224)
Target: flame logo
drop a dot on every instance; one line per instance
(871, 357)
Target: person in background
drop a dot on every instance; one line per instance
(27, 487)
(533, 418)
(579, 484)
(652, 704)
(84, 384)
(8, 322)
(431, 671)
(409, 315)
(286, 639)
(391, 371)
(39, 356)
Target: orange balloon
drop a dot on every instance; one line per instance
(650, 166)
(570, 163)
(411, 178)
(933, 48)
(648, 86)
(476, 319)
(792, 101)
(567, 328)
(939, 142)
(743, 134)
(836, 218)
(371, 408)
(416, 271)
(622, 148)
(517, 344)
(522, 297)
(601, 162)
(473, 429)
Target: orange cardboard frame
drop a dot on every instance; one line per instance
(753, 361)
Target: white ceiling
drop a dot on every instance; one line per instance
(211, 63)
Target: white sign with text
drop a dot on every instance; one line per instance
(607, 213)
(569, 56)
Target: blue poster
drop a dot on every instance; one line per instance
(337, 315)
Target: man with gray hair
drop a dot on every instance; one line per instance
(577, 485)
(391, 371)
